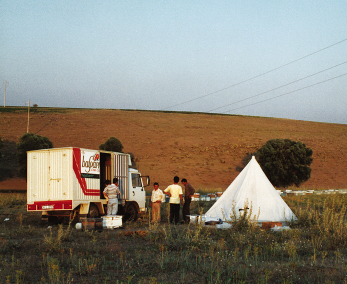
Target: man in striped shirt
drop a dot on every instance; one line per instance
(111, 192)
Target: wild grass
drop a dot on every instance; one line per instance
(313, 251)
(12, 200)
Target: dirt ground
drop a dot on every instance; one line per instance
(206, 149)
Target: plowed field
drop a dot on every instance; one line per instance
(206, 149)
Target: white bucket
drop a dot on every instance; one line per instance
(194, 219)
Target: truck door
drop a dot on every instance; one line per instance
(137, 191)
(105, 171)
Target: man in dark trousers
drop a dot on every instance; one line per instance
(188, 194)
(176, 198)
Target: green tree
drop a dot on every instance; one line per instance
(1, 146)
(28, 142)
(133, 160)
(285, 162)
(112, 144)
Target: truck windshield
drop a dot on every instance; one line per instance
(136, 180)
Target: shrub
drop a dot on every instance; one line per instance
(133, 160)
(285, 162)
(112, 144)
(243, 220)
(1, 146)
(29, 142)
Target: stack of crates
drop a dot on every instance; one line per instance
(112, 222)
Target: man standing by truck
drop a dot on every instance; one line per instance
(176, 198)
(111, 192)
(157, 198)
(188, 194)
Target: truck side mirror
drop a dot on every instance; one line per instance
(145, 180)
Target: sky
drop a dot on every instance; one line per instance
(285, 59)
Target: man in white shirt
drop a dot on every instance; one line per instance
(111, 192)
(157, 198)
(176, 198)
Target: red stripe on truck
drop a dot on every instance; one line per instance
(50, 205)
(77, 169)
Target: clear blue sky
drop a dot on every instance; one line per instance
(177, 55)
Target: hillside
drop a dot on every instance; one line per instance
(206, 149)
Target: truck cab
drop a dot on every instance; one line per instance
(133, 204)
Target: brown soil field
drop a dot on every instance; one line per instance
(204, 148)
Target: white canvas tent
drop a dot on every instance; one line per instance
(253, 187)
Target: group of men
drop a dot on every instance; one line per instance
(174, 191)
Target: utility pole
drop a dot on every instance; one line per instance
(6, 82)
(28, 116)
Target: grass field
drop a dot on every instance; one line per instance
(313, 251)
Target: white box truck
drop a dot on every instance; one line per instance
(68, 182)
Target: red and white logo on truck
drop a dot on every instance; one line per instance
(86, 164)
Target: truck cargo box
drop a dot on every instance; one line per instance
(66, 179)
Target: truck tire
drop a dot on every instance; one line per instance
(131, 213)
(74, 216)
(93, 211)
(53, 220)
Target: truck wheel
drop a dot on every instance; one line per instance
(74, 216)
(131, 213)
(93, 211)
(53, 219)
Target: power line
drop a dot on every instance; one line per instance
(287, 93)
(279, 87)
(239, 83)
